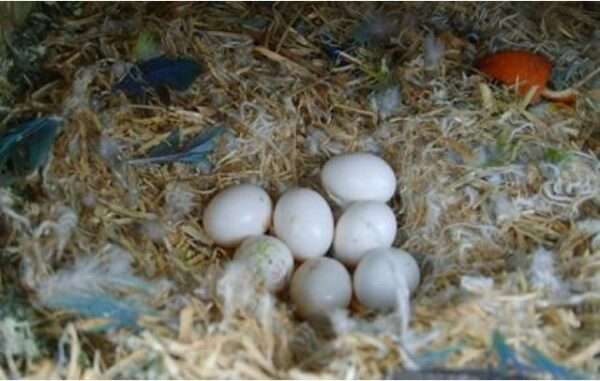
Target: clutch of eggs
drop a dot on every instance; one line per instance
(305, 230)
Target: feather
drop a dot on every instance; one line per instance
(95, 274)
(194, 152)
(507, 357)
(376, 28)
(386, 100)
(458, 374)
(431, 359)
(179, 201)
(27, 147)
(175, 73)
(546, 365)
(121, 313)
(94, 286)
(333, 48)
(509, 367)
(433, 51)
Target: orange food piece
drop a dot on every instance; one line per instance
(512, 66)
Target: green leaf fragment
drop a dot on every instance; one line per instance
(555, 155)
(146, 47)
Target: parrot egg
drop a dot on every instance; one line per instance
(358, 177)
(236, 213)
(304, 222)
(320, 286)
(363, 226)
(381, 274)
(269, 258)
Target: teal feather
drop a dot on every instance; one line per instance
(26, 148)
(546, 365)
(195, 152)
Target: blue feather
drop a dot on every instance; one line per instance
(27, 147)
(545, 364)
(429, 359)
(99, 305)
(175, 73)
(99, 287)
(333, 48)
(506, 355)
(194, 152)
(168, 146)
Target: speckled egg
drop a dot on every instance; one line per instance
(269, 259)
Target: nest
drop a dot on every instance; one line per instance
(498, 199)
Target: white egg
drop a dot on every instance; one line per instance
(269, 258)
(381, 274)
(304, 221)
(236, 213)
(363, 226)
(358, 177)
(320, 286)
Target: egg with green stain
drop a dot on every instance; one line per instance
(269, 259)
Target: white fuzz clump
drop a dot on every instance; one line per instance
(472, 195)
(509, 209)
(433, 51)
(92, 274)
(261, 125)
(79, 93)
(386, 101)
(89, 200)
(179, 201)
(476, 284)
(110, 151)
(591, 227)
(394, 324)
(317, 142)
(7, 202)
(17, 339)
(437, 203)
(435, 208)
(573, 182)
(542, 273)
(505, 209)
(154, 230)
(62, 228)
(239, 292)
